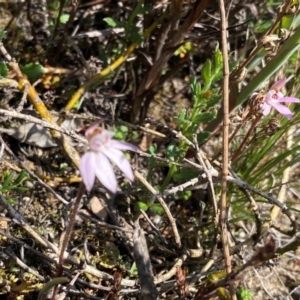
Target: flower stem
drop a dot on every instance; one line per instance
(68, 233)
(170, 174)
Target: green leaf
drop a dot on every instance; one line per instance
(157, 209)
(123, 129)
(181, 119)
(215, 99)
(244, 294)
(193, 83)
(153, 149)
(185, 195)
(217, 61)
(121, 132)
(33, 71)
(206, 72)
(182, 115)
(185, 174)
(133, 34)
(113, 23)
(7, 180)
(133, 270)
(11, 201)
(2, 33)
(3, 69)
(103, 56)
(195, 89)
(22, 176)
(183, 124)
(141, 205)
(171, 151)
(287, 21)
(219, 75)
(203, 136)
(64, 18)
(205, 117)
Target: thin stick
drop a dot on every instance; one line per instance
(163, 204)
(285, 210)
(208, 172)
(23, 99)
(166, 276)
(153, 226)
(256, 211)
(5, 53)
(225, 171)
(21, 264)
(42, 122)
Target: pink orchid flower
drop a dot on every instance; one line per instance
(274, 97)
(96, 162)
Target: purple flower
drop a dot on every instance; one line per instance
(97, 161)
(274, 98)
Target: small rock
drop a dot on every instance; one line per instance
(97, 208)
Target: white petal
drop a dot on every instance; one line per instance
(86, 168)
(279, 84)
(267, 109)
(105, 172)
(123, 146)
(289, 99)
(118, 158)
(285, 111)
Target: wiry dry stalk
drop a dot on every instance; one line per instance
(223, 205)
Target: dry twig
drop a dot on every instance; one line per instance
(223, 204)
(163, 204)
(142, 260)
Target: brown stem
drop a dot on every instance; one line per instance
(68, 233)
(223, 204)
